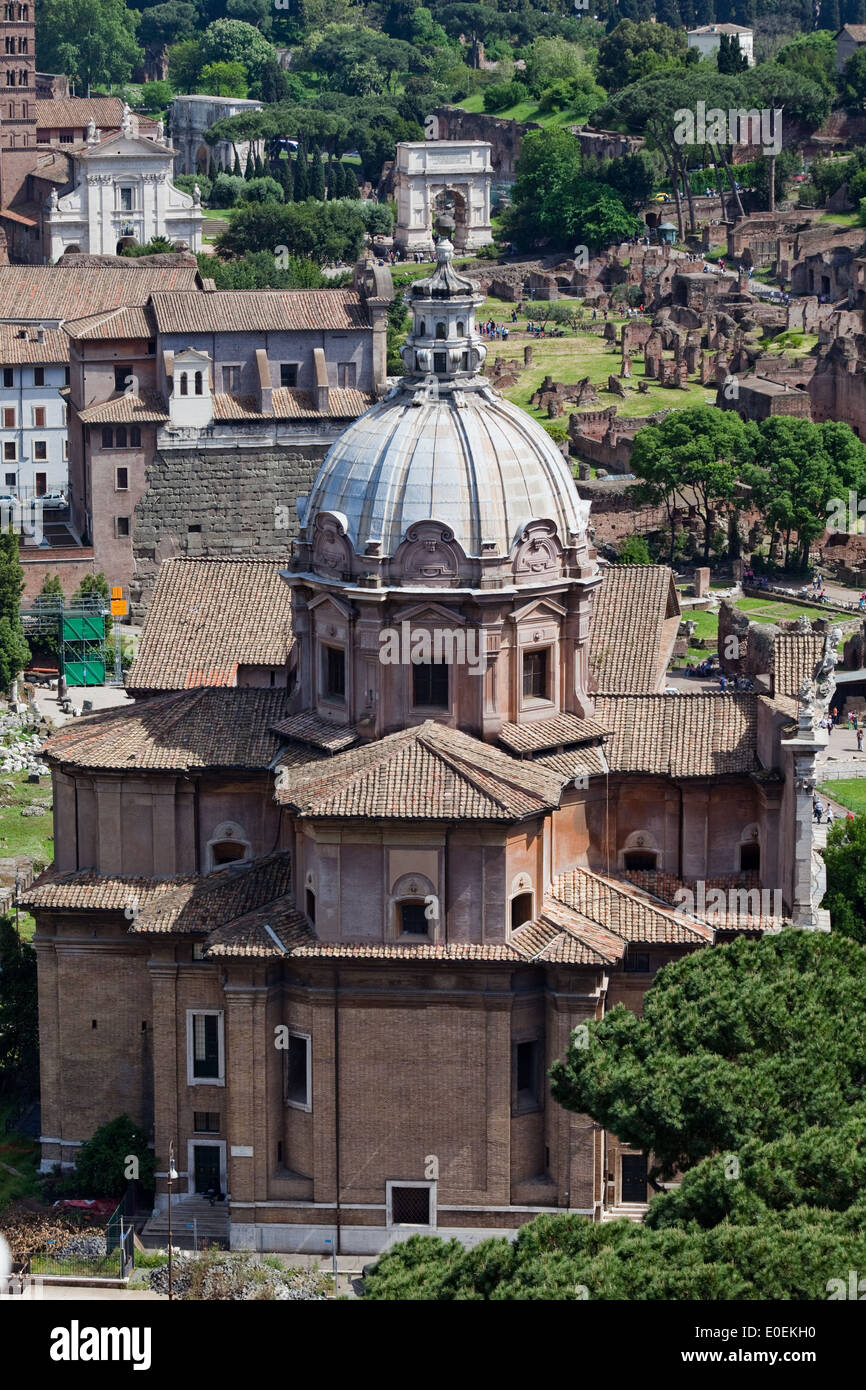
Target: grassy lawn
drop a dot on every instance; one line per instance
(841, 219)
(30, 835)
(765, 610)
(707, 625)
(575, 356)
(524, 111)
(848, 791)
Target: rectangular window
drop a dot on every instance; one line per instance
(334, 674)
(526, 1075)
(121, 479)
(206, 1121)
(346, 374)
(288, 373)
(232, 380)
(430, 685)
(126, 200)
(39, 417)
(11, 479)
(198, 950)
(9, 418)
(41, 484)
(298, 1071)
(535, 675)
(121, 526)
(121, 375)
(39, 377)
(40, 449)
(205, 1046)
(10, 452)
(8, 376)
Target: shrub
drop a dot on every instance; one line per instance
(264, 190)
(226, 190)
(102, 1167)
(500, 95)
(634, 551)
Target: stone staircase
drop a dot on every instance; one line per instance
(629, 1213)
(192, 1218)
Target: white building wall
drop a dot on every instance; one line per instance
(19, 473)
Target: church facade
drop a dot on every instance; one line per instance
(326, 936)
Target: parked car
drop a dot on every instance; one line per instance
(53, 499)
(9, 499)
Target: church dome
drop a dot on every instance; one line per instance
(469, 459)
(444, 446)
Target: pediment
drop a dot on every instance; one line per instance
(330, 601)
(539, 608)
(430, 613)
(135, 146)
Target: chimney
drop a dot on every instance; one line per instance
(322, 394)
(40, 335)
(266, 390)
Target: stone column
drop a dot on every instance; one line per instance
(166, 1078)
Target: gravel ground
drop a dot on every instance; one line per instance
(237, 1279)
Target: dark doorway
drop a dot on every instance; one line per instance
(640, 859)
(750, 858)
(521, 910)
(633, 1178)
(207, 1167)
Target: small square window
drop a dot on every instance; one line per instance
(412, 919)
(288, 373)
(40, 449)
(198, 950)
(11, 479)
(206, 1121)
(410, 1205)
(121, 479)
(121, 526)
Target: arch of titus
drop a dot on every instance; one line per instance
(426, 169)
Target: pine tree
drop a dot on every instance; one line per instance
(250, 170)
(339, 179)
(286, 179)
(301, 172)
(317, 175)
(237, 171)
(329, 178)
(352, 189)
(14, 651)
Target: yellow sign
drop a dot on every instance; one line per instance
(117, 591)
(118, 607)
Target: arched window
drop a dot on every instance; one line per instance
(184, 384)
(521, 910)
(460, 328)
(107, 437)
(422, 328)
(750, 850)
(229, 845)
(199, 385)
(440, 330)
(640, 852)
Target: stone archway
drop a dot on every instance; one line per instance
(202, 159)
(458, 172)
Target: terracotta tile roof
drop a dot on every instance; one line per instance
(724, 903)
(212, 616)
(253, 934)
(588, 759)
(256, 311)
(56, 292)
(681, 735)
(206, 903)
(88, 891)
(145, 409)
(634, 623)
(291, 403)
(54, 112)
(626, 911)
(558, 731)
(14, 348)
(180, 732)
(796, 656)
(319, 733)
(125, 322)
(430, 772)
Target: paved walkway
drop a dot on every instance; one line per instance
(101, 697)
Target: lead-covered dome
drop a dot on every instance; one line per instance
(469, 459)
(444, 445)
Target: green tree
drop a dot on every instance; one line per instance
(634, 551)
(14, 651)
(699, 450)
(224, 79)
(324, 232)
(753, 1040)
(846, 877)
(19, 1013)
(632, 51)
(317, 175)
(258, 270)
(102, 1165)
(93, 41)
(233, 41)
(301, 175)
(729, 59)
(168, 24)
(185, 63)
(852, 82)
(49, 596)
(262, 191)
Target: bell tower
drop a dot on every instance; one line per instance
(17, 95)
